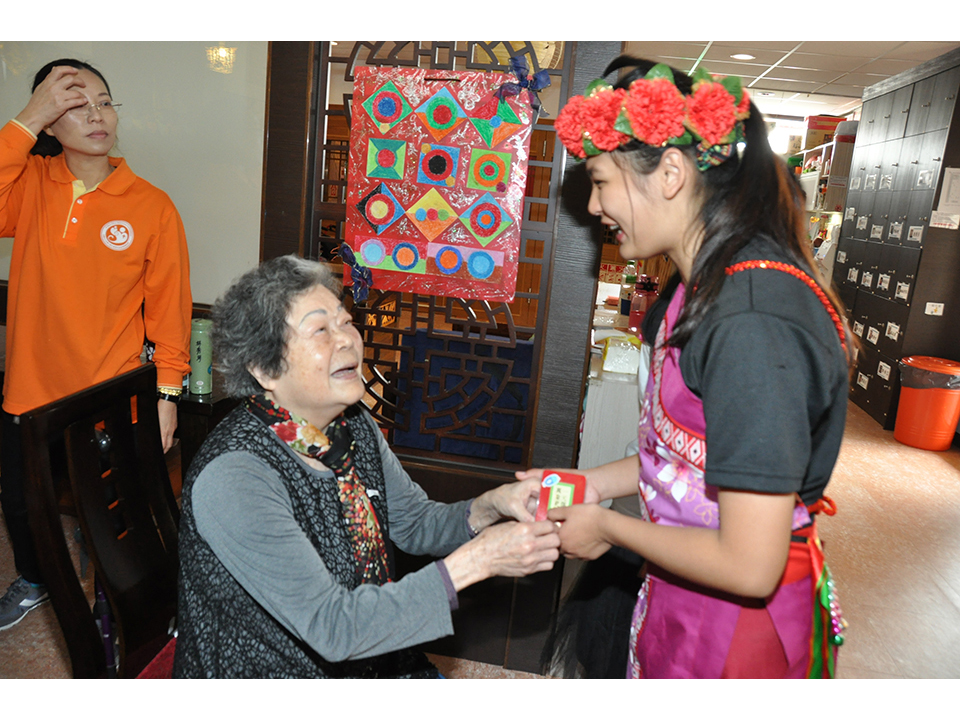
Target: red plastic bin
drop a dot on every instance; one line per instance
(929, 407)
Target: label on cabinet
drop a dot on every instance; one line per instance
(915, 233)
(862, 380)
(855, 183)
(850, 213)
(883, 282)
(876, 232)
(862, 222)
(893, 331)
(858, 329)
(870, 183)
(896, 229)
(903, 291)
(866, 279)
(852, 275)
(883, 370)
(873, 335)
(925, 180)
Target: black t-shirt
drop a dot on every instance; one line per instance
(768, 365)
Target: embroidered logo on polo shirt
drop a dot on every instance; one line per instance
(117, 234)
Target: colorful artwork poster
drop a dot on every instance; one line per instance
(436, 180)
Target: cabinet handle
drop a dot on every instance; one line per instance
(925, 105)
(914, 162)
(894, 164)
(936, 159)
(886, 117)
(869, 121)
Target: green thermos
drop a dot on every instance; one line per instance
(201, 358)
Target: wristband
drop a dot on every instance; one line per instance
(169, 394)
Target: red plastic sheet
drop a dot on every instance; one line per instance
(436, 180)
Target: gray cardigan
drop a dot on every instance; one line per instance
(243, 511)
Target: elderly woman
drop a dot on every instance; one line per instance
(292, 503)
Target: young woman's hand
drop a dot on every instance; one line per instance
(581, 530)
(590, 492)
(57, 94)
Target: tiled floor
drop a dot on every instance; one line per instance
(893, 547)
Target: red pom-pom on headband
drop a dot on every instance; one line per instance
(586, 126)
(655, 109)
(655, 112)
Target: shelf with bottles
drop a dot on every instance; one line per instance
(824, 172)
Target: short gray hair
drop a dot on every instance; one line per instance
(250, 327)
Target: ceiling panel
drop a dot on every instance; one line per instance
(718, 53)
(853, 48)
(840, 63)
(780, 46)
(861, 79)
(788, 85)
(887, 66)
(921, 51)
(673, 49)
(829, 76)
(805, 74)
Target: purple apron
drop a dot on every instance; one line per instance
(679, 629)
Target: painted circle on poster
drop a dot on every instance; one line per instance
(405, 256)
(481, 265)
(449, 260)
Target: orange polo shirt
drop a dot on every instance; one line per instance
(93, 272)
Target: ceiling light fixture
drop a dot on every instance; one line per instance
(743, 56)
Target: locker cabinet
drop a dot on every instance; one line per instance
(891, 263)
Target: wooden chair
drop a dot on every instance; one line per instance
(104, 442)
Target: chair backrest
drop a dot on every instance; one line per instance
(105, 441)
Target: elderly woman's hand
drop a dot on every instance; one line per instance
(507, 549)
(510, 501)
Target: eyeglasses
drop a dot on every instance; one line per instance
(107, 106)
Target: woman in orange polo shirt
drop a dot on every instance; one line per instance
(99, 264)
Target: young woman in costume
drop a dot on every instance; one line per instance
(750, 360)
(99, 261)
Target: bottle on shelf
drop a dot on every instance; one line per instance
(643, 297)
(627, 287)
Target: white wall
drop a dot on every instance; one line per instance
(195, 133)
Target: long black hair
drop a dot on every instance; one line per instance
(47, 144)
(753, 194)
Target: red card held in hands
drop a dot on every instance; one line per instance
(559, 489)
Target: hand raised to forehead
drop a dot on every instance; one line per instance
(55, 95)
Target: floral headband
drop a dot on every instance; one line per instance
(656, 113)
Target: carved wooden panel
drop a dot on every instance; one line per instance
(449, 379)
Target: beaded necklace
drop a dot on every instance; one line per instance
(803, 277)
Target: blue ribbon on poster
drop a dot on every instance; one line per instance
(540, 80)
(360, 275)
